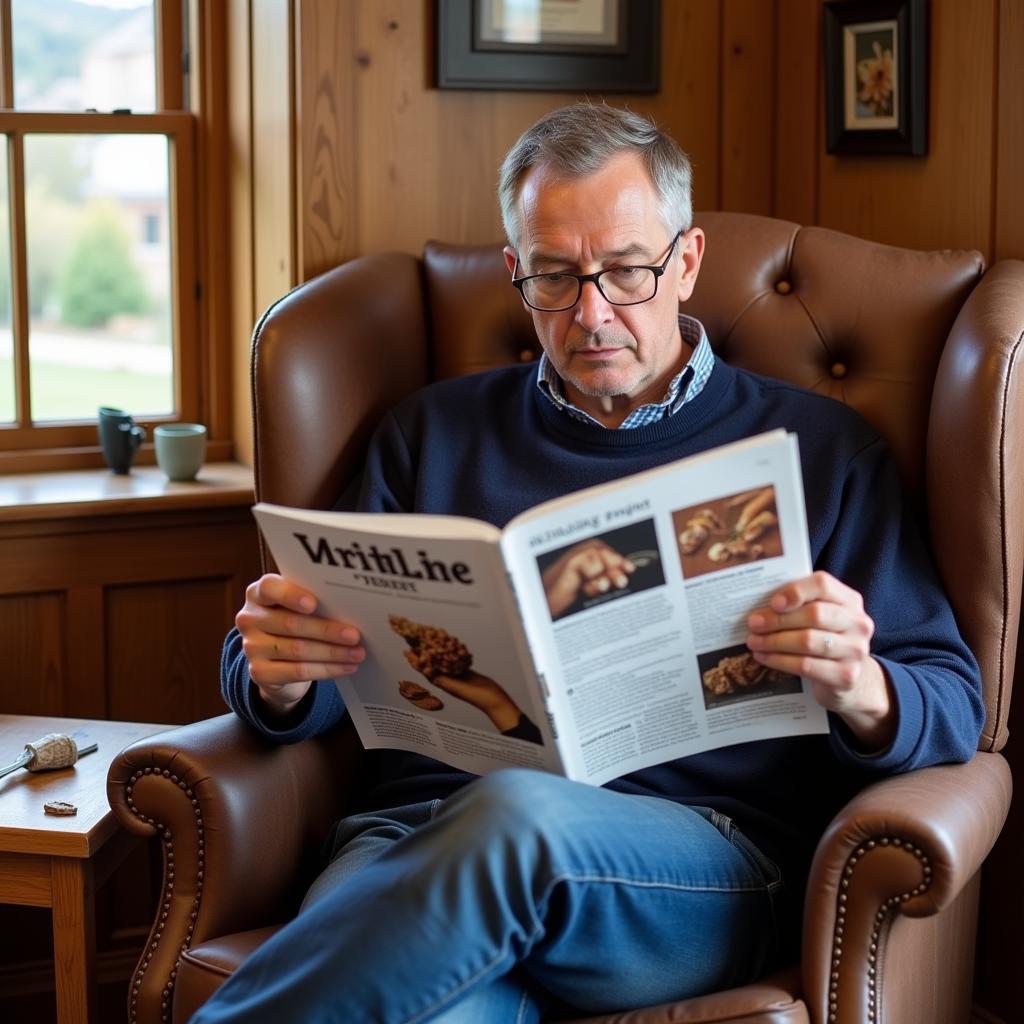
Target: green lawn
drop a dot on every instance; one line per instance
(76, 392)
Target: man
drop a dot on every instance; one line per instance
(461, 899)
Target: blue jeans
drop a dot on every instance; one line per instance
(523, 893)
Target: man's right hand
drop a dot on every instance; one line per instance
(590, 567)
(288, 645)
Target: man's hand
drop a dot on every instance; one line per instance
(816, 627)
(591, 568)
(288, 646)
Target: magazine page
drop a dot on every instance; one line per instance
(635, 596)
(447, 672)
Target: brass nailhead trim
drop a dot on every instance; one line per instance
(880, 917)
(166, 837)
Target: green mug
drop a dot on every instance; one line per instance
(180, 449)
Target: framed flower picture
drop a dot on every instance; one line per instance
(876, 76)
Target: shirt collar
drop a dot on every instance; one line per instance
(683, 388)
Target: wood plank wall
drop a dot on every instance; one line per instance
(122, 616)
(352, 149)
(387, 160)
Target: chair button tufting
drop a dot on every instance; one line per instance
(783, 287)
(838, 370)
(526, 355)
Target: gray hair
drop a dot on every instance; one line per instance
(580, 139)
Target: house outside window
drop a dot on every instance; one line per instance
(151, 233)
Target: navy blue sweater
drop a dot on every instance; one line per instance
(490, 446)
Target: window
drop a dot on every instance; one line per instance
(98, 252)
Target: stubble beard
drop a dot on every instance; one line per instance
(600, 340)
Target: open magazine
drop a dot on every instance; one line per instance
(595, 635)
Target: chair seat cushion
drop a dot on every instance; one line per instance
(204, 968)
(773, 1000)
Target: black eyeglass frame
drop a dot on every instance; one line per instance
(581, 279)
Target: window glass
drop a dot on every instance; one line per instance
(100, 330)
(84, 54)
(6, 336)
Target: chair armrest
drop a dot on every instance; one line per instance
(241, 820)
(907, 845)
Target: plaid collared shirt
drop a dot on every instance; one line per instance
(684, 387)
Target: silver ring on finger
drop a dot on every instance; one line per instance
(828, 643)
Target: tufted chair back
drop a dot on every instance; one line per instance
(913, 340)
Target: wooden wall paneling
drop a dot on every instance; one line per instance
(85, 691)
(325, 120)
(34, 640)
(688, 106)
(423, 162)
(943, 200)
(470, 155)
(799, 109)
(470, 147)
(64, 653)
(141, 549)
(273, 150)
(1008, 225)
(401, 185)
(240, 190)
(428, 159)
(748, 105)
(163, 641)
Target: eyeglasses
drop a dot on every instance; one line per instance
(621, 286)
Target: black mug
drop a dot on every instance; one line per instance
(120, 438)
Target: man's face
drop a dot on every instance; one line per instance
(611, 358)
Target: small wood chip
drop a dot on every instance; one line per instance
(59, 807)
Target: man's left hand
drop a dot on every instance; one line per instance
(816, 627)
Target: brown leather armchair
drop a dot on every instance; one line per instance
(924, 344)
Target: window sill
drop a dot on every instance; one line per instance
(91, 492)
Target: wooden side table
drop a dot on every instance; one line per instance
(60, 862)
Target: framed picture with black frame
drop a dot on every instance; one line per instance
(876, 76)
(602, 46)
